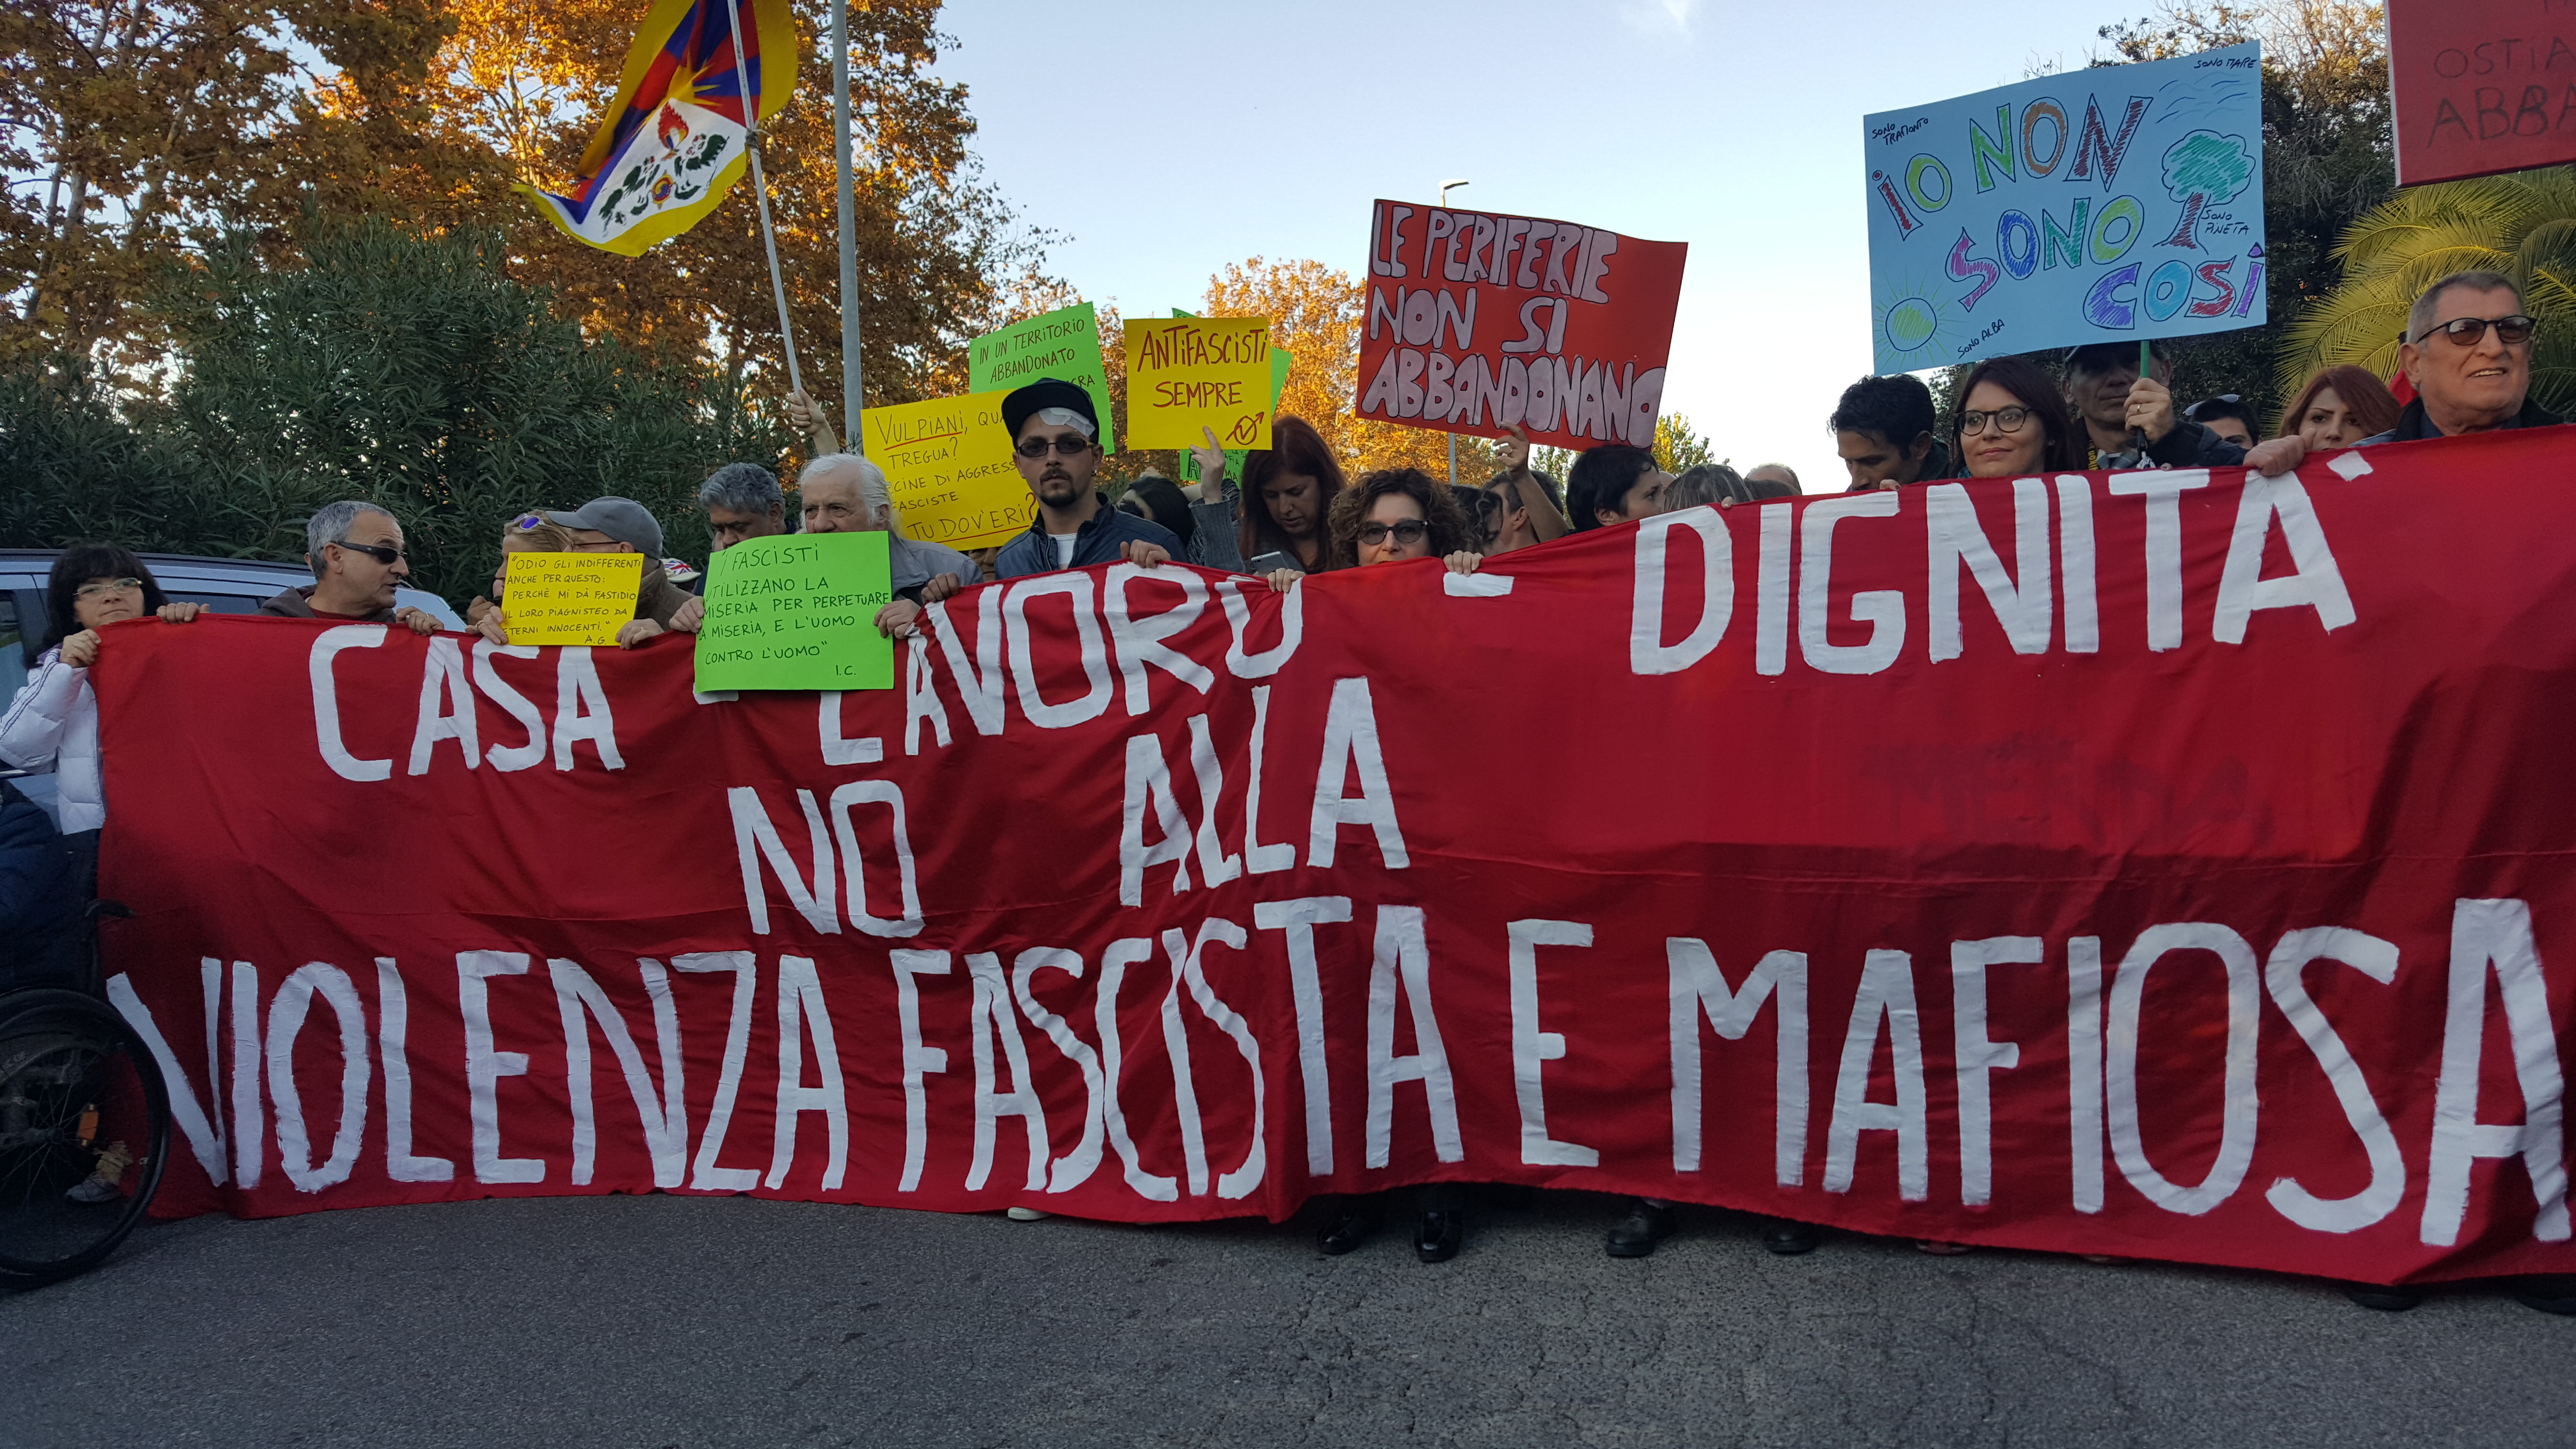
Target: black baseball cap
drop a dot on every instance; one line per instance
(1049, 392)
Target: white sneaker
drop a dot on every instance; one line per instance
(1025, 1215)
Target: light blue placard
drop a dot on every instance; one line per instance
(2108, 205)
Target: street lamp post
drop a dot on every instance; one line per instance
(1445, 188)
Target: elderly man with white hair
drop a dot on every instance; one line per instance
(845, 493)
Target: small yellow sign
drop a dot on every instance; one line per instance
(569, 598)
(948, 466)
(1189, 373)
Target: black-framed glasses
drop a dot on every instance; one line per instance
(101, 588)
(1067, 444)
(2512, 331)
(1407, 532)
(383, 553)
(2006, 420)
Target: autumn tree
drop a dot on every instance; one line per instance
(152, 127)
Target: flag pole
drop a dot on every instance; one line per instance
(846, 180)
(760, 192)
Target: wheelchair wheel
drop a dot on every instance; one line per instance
(84, 1131)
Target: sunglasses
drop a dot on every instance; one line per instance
(526, 521)
(1067, 444)
(1408, 533)
(2512, 331)
(2006, 420)
(383, 553)
(101, 588)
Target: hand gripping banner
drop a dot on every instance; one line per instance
(2169, 864)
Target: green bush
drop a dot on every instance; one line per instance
(408, 371)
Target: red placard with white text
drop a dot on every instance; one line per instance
(1475, 321)
(2481, 86)
(2163, 864)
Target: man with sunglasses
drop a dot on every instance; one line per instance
(356, 553)
(1055, 443)
(2468, 353)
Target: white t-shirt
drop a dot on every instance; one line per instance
(1064, 543)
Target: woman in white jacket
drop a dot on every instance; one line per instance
(54, 720)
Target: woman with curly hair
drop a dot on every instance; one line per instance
(1390, 516)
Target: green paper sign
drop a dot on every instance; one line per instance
(797, 611)
(1279, 363)
(1063, 344)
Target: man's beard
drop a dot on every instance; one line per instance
(1058, 489)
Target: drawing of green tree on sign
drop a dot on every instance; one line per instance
(2202, 170)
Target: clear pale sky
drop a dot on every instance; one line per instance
(1166, 140)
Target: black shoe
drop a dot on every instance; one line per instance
(1645, 1225)
(1789, 1239)
(1438, 1237)
(2385, 1299)
(2547, 1292)
(1348, 1229)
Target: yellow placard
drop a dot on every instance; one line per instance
(948, 464)
(1189, 373)
(569, 598)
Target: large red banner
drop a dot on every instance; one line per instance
(1478, 322)
(2166, 864)
(2481, 86)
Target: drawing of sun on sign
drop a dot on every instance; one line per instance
(1914, 327)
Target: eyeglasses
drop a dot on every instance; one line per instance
(1067, 444)
(2006, 420)
(526, 521)
(101, 588)
(2512, 331)
(383, 553)
(1407, 533)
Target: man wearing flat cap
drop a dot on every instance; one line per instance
(622, 525)
(1055, 436)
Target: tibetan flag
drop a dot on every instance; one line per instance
(673, 141)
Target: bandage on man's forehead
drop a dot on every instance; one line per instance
(1068, 418)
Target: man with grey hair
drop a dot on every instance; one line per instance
(845, 493)
(2468, 352)
(356, 553)
(742, 501)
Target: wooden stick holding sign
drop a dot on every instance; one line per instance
(1189, 373)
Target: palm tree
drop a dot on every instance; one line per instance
(2523, 225)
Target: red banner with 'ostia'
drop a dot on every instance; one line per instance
(2162, 864)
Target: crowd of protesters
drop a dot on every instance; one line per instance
(1292, 512)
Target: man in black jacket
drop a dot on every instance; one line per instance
(2467, 352)
(1055, 437)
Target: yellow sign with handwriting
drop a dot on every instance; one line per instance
(569, 598)
(948, 466)
(1189, 373)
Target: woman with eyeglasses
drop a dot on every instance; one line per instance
(54, 720)
(2011, 422)
(1392, 516)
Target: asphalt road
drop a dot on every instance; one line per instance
(698, 1322)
